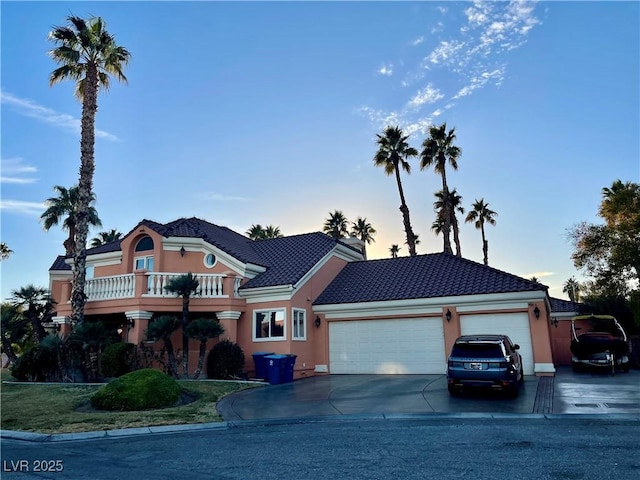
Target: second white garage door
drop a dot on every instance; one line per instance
(515, 325)
(402, 346)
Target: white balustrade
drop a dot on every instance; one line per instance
(209, 285)
(107, 288)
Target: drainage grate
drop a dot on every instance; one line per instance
(622, 405)
(592, 405)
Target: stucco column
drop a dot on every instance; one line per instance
(140, 280)
(228, 284)
(65, 292)
(539, 323)
(64, 323)
(451, 323)
(229, 321)
(137, 324)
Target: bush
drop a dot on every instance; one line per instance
(139, 390)
(226, 360)
(37, 364)
(118, 359)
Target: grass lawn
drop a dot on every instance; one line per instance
(66, 408)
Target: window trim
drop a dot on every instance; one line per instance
(146, 262)
(295, 310)
(215, 260)
(269, 339)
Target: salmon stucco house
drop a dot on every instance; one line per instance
(311, 296)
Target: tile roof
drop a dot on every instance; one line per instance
(289, 258)
(559, 305)
(59, 264)
(423, 276)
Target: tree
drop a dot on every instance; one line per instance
(87, 54)
(257, 232)
(184, 286)
(37, 305)
(437, 150)
(272, 231)
(106, 237)
(66, 205)
(394, 250)
(15, 330)
(364, 231)
(5, 251)
(444, 204)
(162, 328)
(203, 329)
(572, 288)
(480, 214)
(336, 225)
(393, 154)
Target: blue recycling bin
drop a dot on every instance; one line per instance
(289, 363)
(261, 364)
(276, 368)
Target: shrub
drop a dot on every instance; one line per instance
(226, 360)
(118, 359)
(139, 390)
(37, 364)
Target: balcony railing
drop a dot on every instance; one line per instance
(124, 286)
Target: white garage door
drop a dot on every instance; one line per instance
(402, 346)
(515, 325)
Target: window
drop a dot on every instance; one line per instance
(144, 263)
(209, 260)
(299, 324)
(90, 272)
(268, 325)
(144, 244)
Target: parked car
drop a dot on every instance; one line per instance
(604, 346)
(488, 361)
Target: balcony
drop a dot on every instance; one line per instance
(152, 284)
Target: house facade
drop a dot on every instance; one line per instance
(311, 296)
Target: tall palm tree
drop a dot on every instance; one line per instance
(620, 203)
(5, 251)
(256, 232)
(203, 329)
(454, 203)
(394, 250)
(393, 154)
(66, 205)
(272, 231)
(437, 150)
(184, 286)
(336, 225)
(37, 306)
(364, 231)
(480, 213)
(87, 54)
(572, 288)
(106, 237)
(15, 329)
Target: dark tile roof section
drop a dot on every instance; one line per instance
(559, 305)
(59, 264)
(424, 276)
(289, 258)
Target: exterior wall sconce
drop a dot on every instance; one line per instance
(119, 331)
(130, 323)
(536, 312)
(182, 251)
(555, 322)
(318, 322)
(448, 315)
(58, 327)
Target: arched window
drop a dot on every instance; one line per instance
(144, 262)
(144, 244)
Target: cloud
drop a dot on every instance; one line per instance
(480, 81)
(223, 198)
(13, 170)
(417, 41)
(18, 206)
(428, 94)
(31, 109)
(539, 275)
(386, 70)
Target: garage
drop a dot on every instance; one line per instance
(398, 346)
(515, 325)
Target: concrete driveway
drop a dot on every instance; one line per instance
(336, 395)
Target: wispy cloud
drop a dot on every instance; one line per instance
(539, 275)
(471, 58)
(18, 206)
(13, 171)
(29, 108)
(222, 197)
(386, 70)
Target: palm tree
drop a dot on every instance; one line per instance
(5, 251)
(480, 213)
(437, 150)
(453, 202)
(66, 205)
(394, 250)
(272, 231)
(87, 54)
(184, 286)
(336, 225)
(393, 153)
(15, 329)
(203, 329)
(106, 237)
(37, 305)
(162, 328)
(620, 202)
(364, 231)
(256, 232)
(572, 288)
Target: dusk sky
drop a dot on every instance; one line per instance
(267, 112)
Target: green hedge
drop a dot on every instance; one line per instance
(139, 390)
